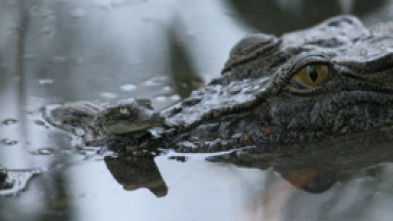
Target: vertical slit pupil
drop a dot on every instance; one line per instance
(312, 73)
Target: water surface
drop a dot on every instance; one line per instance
(54, 51)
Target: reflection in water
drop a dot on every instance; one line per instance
(137, 172)
(313, 180)
(9, 121)
(316, 171)
(313, 171)
(68, 56)
(9, 142)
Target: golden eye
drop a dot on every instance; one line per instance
(313, 75)
(124, 111)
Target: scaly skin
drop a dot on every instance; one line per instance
(265, 115)
(259, 103)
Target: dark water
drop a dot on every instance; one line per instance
(54, 51)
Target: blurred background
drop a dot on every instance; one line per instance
(56, 51)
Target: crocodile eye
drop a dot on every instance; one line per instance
(312, 75)
(124, 111)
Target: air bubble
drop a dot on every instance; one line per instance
(9, 121)
(128, 87)
(167, 89)
(9, 142)
(45, 151)
(45, 81)
(175, 97)
(155, 81)
(160, 99)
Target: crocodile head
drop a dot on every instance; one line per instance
(311, 104)
(323, 96)
(293, 92)
(132, 117)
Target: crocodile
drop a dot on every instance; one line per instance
(92, 121)
(302, 92)
(319, 83)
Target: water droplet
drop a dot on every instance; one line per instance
(79, 132)
(45, 151)
(45, 81)
(167, 89)
(108, 95)
(9, 142)
(9, 121)
(175, 97)
(155, 81)
(160, 99)
(128, 87)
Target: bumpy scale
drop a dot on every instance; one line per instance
(276, 95)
